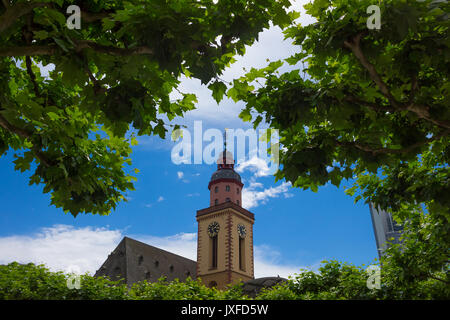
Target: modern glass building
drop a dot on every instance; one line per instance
(385, 228)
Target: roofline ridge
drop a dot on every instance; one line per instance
(159, 249)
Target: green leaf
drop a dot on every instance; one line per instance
(56, 16)
(61, 44)
(257, 121)
(53, 116)
(245, 115)
(41, 34)
(218, 89)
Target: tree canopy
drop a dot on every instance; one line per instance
(365, 101)
(368, 105)
(116, 72)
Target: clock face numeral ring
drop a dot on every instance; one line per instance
(213, 229)
(241, 230)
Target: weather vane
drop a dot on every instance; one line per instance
(224, 153)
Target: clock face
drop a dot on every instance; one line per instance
(213, 229)
(241, 230)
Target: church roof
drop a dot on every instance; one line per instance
(135, 261)
(253, 287)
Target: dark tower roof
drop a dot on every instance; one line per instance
(225, 174)
(225, 168)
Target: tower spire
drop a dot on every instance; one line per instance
(225, 159)
(225, 139)
(224, 146)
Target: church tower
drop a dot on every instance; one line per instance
(225, 230)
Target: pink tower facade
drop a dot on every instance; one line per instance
(225, 184)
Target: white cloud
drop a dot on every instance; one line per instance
(251, 197)
(183, 244)
(267, 263)
(257, 165)
(180, 175)
(149, 205)
(195, 194)
(255, 194)
(254, 185)
(270, 45)
(62, 246)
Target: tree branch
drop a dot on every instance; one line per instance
(354, 46)
(28, 51)
(13, 129)
(91, 17)
(26, 135)
(414, 88)
(17, 11)
(28, 36)
(392, 151)
(439, 279)
(421, 111)
(32, 75)
(86, 44)
(371, 105)
(20, 9)
(35, 50)
(98, 89)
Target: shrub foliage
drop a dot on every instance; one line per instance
(333, 281)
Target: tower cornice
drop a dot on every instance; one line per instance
(223, 206)
(240, 184)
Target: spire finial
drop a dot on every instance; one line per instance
(224, 146)
(225, 139)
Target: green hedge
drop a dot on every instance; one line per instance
(333, 280)
(30, 281)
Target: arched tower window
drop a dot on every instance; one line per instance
(227, 188)
(214, 252)
(216, 189)
(216, 202)
(242, 254)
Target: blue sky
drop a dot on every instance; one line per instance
(293, 228)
